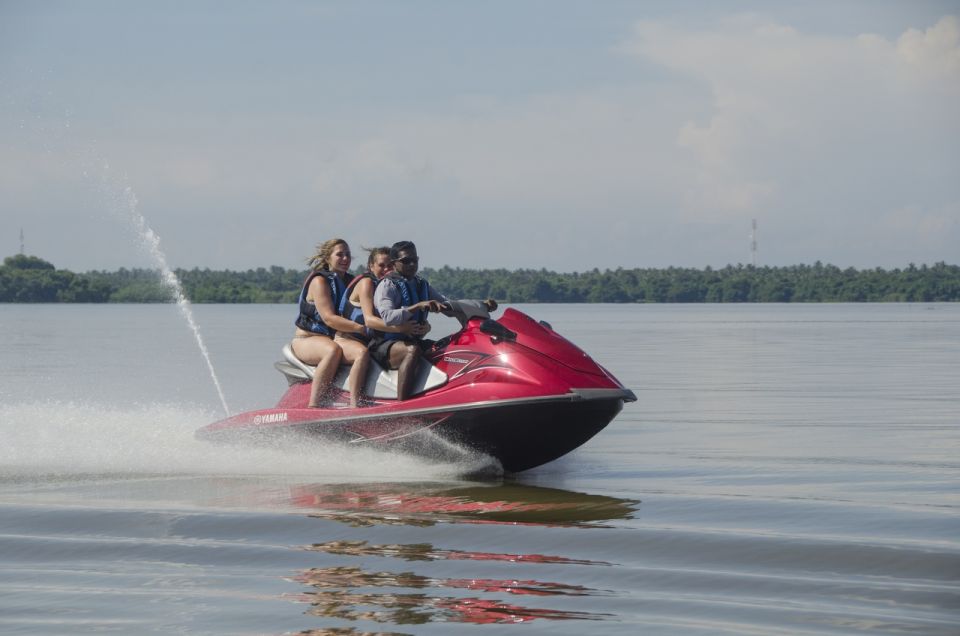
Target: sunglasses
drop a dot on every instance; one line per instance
(408, 260)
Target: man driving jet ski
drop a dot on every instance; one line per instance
(403, 297)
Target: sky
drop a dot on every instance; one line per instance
(558, 134)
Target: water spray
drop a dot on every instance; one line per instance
(128, 204)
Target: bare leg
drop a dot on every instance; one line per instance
(404, 357)
(356, 354)
(323, 376)
(325, 354)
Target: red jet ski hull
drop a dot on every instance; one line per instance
(512, 389)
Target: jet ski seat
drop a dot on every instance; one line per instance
(381, 383)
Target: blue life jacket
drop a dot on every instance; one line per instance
(411, 292)
(309, 318)
(346, 308)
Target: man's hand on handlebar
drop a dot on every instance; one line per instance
(427, 305)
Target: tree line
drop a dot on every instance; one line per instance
(29, 279)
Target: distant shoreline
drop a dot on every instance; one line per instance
(29, 279)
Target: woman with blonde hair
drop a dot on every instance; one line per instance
(318, 322)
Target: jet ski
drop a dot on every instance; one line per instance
(512, 389)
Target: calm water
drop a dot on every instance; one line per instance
(786, 470)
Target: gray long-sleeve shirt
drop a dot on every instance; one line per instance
(389, 302)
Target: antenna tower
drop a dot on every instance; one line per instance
(753, 243)
(21, 241)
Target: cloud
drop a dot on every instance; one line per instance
(801, 118)
(572, 148)
(912, 224)
(658, 152)
(934, 52)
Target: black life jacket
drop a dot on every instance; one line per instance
(309, 318)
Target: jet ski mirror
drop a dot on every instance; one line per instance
(498, 332)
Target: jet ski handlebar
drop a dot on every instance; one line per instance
(464, 310)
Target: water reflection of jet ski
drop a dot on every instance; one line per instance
(472, 502)
(513, 389)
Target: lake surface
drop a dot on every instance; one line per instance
(787, 469)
